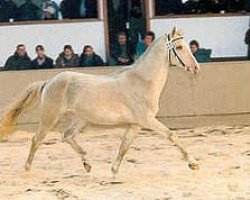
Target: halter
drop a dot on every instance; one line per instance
(171, 47)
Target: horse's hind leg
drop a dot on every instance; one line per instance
(36, 142)
(69, 137)
(47, 123)
(126, 141)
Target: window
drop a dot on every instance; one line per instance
(36, 10)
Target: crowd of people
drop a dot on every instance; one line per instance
(47, 10)
(67, 58)
(121, 54)
(164, 7)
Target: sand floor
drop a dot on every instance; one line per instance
(153, 168)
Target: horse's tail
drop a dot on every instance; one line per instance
(10, 115)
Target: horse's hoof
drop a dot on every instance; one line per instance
(194, 166)
(115, 175)
(87, 167)
(27, 167)
(114, 172)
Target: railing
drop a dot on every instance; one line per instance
(41, 22)
(201, 15)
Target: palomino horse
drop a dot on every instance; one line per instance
(128, 98)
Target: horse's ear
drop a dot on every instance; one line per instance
(174, 31)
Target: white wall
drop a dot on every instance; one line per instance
(53, 37)
(224, 35)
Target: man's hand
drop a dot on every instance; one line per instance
(123, 60)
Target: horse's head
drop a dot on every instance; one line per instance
(179, 52)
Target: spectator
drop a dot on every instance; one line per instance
(120, 52)
(247, 5)
(8, 10)
(19, 61)
(217, 6)
(50, 10)
(195, 6)
(164, 7)
(91, 9)
(88, 58)
(190, 7)
(77, 9)
(235, 5)
(29, 12)
(247, 41)
(201, 55)
(142, 46)
(41, 61)
(70, 9)
(67, 58)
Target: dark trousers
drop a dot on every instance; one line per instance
(248, 53)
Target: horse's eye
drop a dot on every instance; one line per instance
(179, 48)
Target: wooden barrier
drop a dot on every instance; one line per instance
(219, 95)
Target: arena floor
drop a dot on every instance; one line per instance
(152, 170)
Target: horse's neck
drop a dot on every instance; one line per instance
(153, 68)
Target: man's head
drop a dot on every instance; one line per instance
(21, 50)
(68, 50)
(149, 38)
(40, 51)
(194, 46)
(49, 12)
(88, 50)
(122, 38)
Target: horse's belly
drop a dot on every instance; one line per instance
(106, 115)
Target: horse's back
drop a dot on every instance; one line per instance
(74, 82)
(68, 76)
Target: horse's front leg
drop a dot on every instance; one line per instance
(160, 128)
(126, 141)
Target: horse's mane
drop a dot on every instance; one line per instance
(123, 69)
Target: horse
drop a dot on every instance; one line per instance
(128, 98)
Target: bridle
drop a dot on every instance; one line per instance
(172, 48)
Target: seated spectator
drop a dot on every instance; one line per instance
(120, 52)
(217, 6)
(195, 6)
(19, 61)
(29, 12)
(50, 10)
(91, 9)
(78, 9)
(41, 61)
(88, 58)
(142, 46)
(247, 5)
(8, 10)
(201, 55)
(247, 41)
(190, 7)
(67, 58)
(164, 7)
(235, 5)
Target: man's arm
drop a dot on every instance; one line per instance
(8, 65)
(247, 37)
